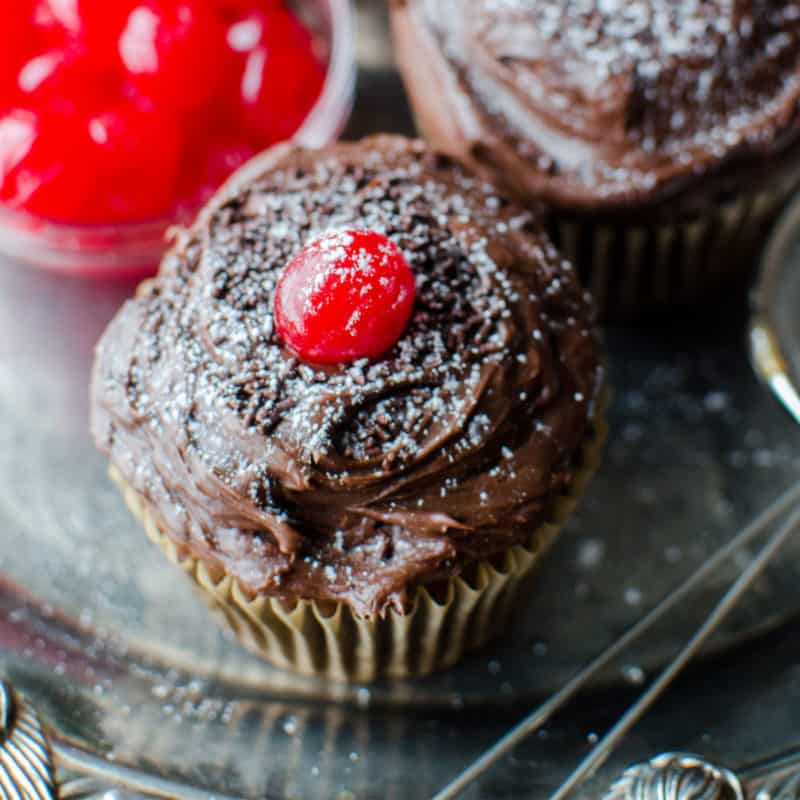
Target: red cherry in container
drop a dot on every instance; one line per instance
(208, 167)
(234, 9)
(67, 80)
(97, 24)
(18, 131)
(136, 161)
(15, 43)
(281, 78)
(117, 165)
(43, 164)
(247, 32)
(171, 51)
(345, 296)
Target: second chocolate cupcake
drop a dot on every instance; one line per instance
(358, 478)
(664, 137)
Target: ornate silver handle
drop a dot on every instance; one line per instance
(678, 776)
(36, 765)
(26, 759)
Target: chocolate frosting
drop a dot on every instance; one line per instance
(601, 104)
(356, 482)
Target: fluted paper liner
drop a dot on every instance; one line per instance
(329, 640)
(631, 269)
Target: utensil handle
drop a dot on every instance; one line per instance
(36, 765)
(776, 778)
(681, 776)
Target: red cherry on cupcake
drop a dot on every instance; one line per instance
(345, 296)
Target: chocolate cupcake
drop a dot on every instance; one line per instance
(664, 137)
(363, 497)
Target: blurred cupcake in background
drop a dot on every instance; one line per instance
(663, 137)
(118, 118)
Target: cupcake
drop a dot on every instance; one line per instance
(663, 137)
(356, 405)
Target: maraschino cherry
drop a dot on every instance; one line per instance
(127, 111)
(92, 24)
(172, 51)
(277, 85)
(345, 296)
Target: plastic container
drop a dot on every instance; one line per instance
(134, 249)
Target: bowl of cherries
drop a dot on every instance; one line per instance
(119, 118)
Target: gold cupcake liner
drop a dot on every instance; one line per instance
(634, 269)
(329, 640)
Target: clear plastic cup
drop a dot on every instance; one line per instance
(133, 249)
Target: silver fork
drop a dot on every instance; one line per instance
(669, 776)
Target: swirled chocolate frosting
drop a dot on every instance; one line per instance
(356, 482)
(597, 104)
